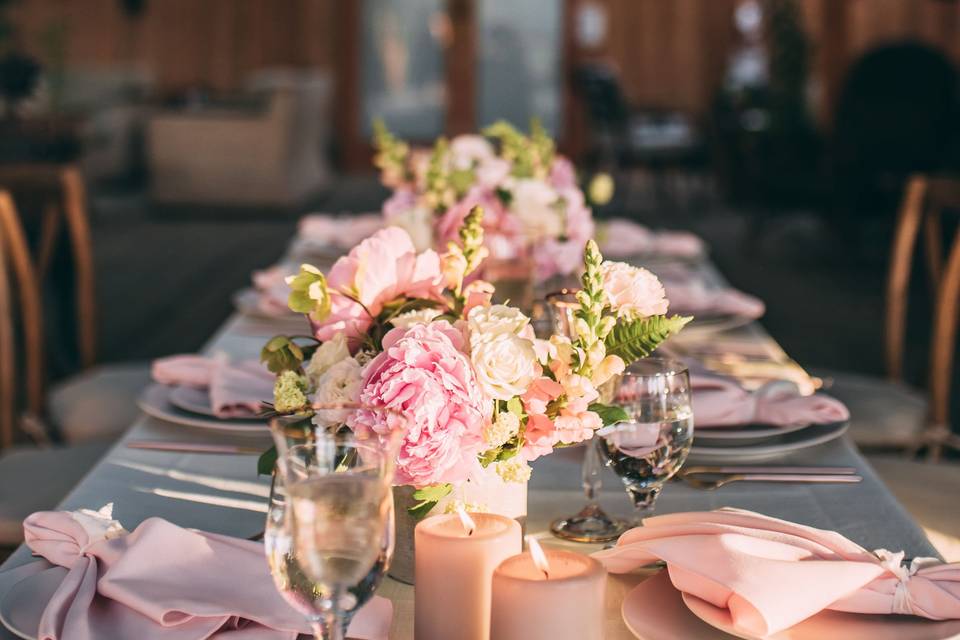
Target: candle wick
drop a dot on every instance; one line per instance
(546, 574)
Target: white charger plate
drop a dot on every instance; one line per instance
(155, 402)
(801, 439)
(655, 610)
(24, 595)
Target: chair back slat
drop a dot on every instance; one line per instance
(8, 382)
(66, 207)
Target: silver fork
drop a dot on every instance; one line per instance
(708, 484)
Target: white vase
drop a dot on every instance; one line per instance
(485, 493)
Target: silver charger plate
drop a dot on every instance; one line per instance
(155, 402)
(802, 439)
(741, 435)
(24, 594)
(198, 401)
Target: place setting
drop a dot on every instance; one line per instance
(403, 444)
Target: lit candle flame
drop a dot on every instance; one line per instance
(539, 557)
(468, 524)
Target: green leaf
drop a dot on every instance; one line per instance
(266, 462)
(488, 457)
(639, 338)
(515, 406)
(609, 414)
(428, 497)
(281, 354)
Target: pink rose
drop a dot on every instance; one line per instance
(424, 374)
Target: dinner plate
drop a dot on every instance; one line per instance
(655, 610)
(155, 402)
(198, 401)
(22, 603)
(708, 324)
(741, 434)
(801, 439)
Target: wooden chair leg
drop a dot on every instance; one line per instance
(78, 224)
(938, 434)
(49, 232)
(15, 243)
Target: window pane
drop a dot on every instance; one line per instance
(520, 62)
(402, 66)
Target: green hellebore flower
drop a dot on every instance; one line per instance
(308, 293)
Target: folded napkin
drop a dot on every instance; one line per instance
(770, 574)
(695, 298)
(620, 238)
(339, 231)
(236, 390)
(272, 290)
(163, 581)
(719, 401)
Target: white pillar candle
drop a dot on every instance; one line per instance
(562, 599)
(453, 569)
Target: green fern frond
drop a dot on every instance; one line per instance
(639, 338)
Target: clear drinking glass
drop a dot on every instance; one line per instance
(590, 524)
(650, 447)
(330, 543)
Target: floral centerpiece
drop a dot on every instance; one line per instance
(404, 331)
(533, 207)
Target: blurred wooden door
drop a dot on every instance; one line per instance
(435, 67)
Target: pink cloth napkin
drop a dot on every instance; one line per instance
(236, 390)
(272, 290)
(770, 574)
(694, 297)
(339, 231)
(721, 402)
(163, 581)
(620, 238)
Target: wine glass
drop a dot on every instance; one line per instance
(289, 579)
(650, 447)
(591, 524)
(330, 543)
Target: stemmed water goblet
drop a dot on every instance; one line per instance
(650, 446)
(329, 533)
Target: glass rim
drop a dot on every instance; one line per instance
(556, 298)
(670, 367)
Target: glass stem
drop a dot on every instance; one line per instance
(328, 627)
(643, 498)
(590, 472)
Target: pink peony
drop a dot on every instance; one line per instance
(382, 268)
(424, 374)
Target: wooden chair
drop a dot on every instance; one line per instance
(942, 194)
(886, 413)
(32, 478)
(65, 205)
(97, 404)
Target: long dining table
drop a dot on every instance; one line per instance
(223, 493)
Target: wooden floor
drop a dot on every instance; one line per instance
(931, 493)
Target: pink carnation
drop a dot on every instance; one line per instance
(424, 374)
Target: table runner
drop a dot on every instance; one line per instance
(222, 494)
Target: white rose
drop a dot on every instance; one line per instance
(535, 205)
(632, 292)
(417, 221)
(505, 366)
(327, 354)
(417, 316)
(339, 384)
(488, 323)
